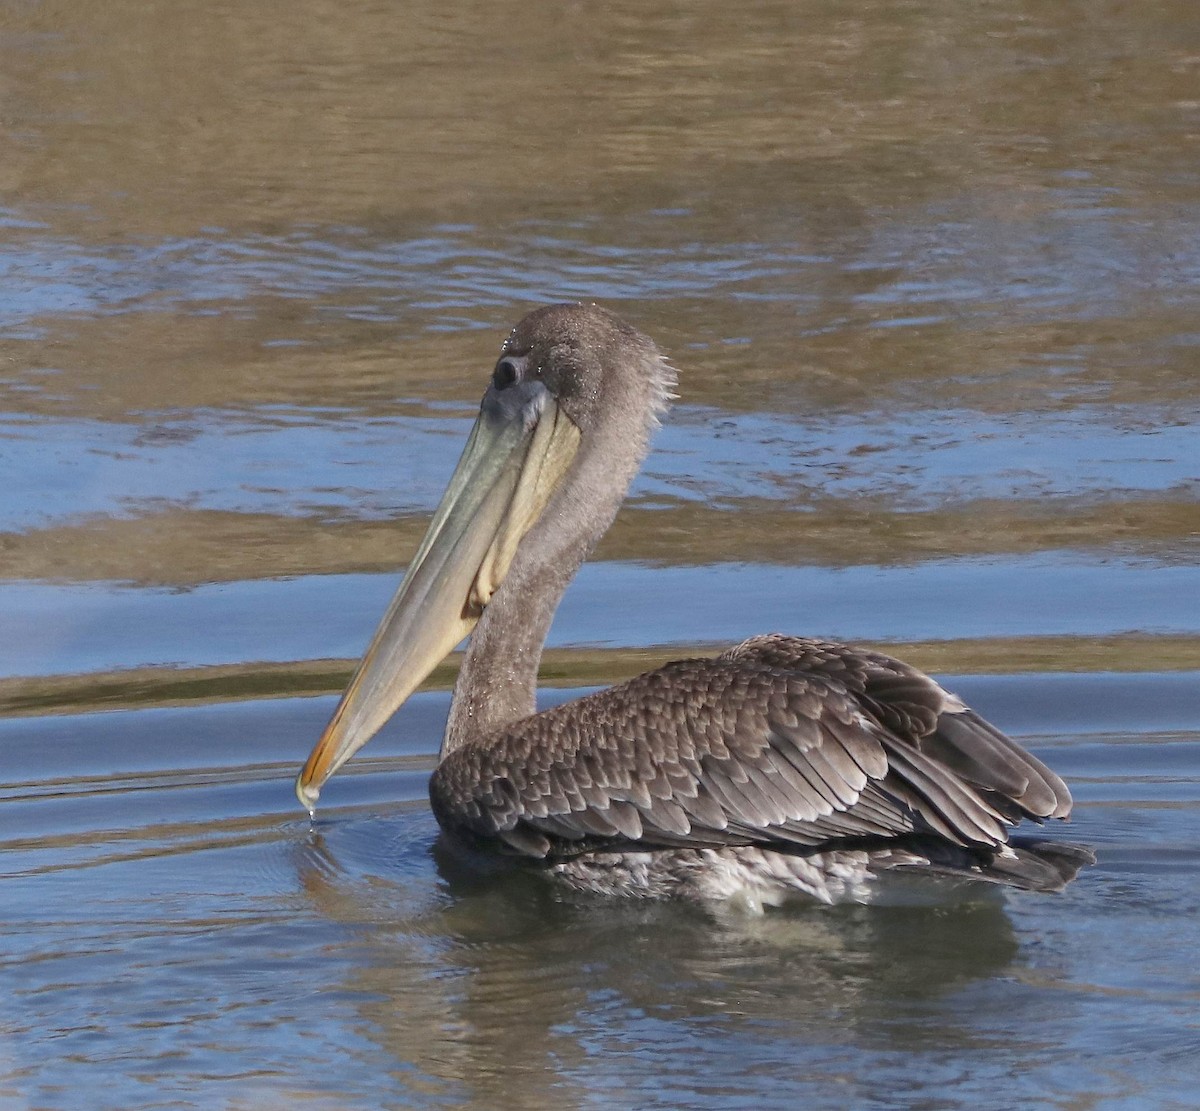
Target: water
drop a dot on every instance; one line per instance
(930, 278)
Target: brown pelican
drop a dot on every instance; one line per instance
(783, 765)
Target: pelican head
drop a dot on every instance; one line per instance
(563, 426)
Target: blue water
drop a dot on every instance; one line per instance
(67, 629)
(345, 464)
(930, 276)
(257, 959)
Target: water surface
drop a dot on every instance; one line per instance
(930, 277)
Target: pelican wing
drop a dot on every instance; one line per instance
(916, 709)
(785, 742)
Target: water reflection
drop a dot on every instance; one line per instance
(501, 989)
(165, 902)
(930, 275)
(336, 466)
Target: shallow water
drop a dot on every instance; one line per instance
(930, 277)
(176, 926)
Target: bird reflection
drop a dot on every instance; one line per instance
(502, 990)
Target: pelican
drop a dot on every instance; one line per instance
(784, 766)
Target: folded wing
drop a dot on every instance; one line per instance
(781, 742)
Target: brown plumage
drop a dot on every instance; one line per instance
(784, 765)
(789, 745)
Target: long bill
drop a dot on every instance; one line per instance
(511, 465)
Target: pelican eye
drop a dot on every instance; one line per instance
(507, 373)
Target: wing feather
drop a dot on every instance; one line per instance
(781, 741)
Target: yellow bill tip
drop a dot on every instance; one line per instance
(307, 795)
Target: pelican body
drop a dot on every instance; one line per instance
(786, 765)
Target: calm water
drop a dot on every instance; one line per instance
(931, 276)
